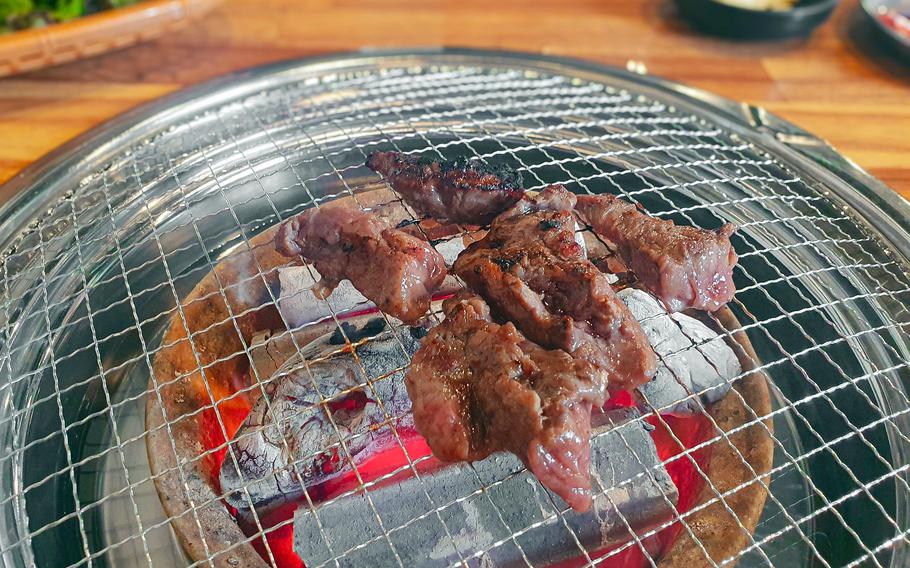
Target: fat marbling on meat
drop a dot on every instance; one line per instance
(686, 267)
(478, 387)
(461, 191)
(396, 271)
(532, 272)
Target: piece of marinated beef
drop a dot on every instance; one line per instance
(533, 272)
(477, 387)
(686, 267)
(396, 271)
(461, 191)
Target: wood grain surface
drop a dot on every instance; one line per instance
(840, 84)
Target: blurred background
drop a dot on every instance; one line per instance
(847, 80)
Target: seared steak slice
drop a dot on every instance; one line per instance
(478, 387)
(686, 267)
(395, 270)
(532, 272)
(461, 191)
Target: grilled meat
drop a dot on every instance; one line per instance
(395, 270)
(322, 383)
(478, 387)
(686, 267)
(461, 191)
(532, 272)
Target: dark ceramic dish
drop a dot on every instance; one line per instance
(874, 9)
(726, 20)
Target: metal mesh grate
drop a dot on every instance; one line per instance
(103, 255)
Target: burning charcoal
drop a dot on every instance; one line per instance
(312, 441)
(683, 368)
(269, 352)
(299, 417)
(483, 503)
(580, 239)
(266, 354)
(300, 306)
(450, 249)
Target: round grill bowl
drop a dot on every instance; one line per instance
(733, 468)
(125, 241)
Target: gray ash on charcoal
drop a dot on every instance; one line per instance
(322, 397)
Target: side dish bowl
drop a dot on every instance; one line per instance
(892, 19)
(36, 48)
(735, 21)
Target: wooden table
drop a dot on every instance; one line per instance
(840, 84)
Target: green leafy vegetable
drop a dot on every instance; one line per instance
(62, 10)
(22, 14)
(12, 10)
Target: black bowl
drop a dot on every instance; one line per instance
(872, 8)
(730, 21)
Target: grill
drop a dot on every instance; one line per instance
(112, 241)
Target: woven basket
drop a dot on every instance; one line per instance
(92, 35)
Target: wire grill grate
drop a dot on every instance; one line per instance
(99, 261)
